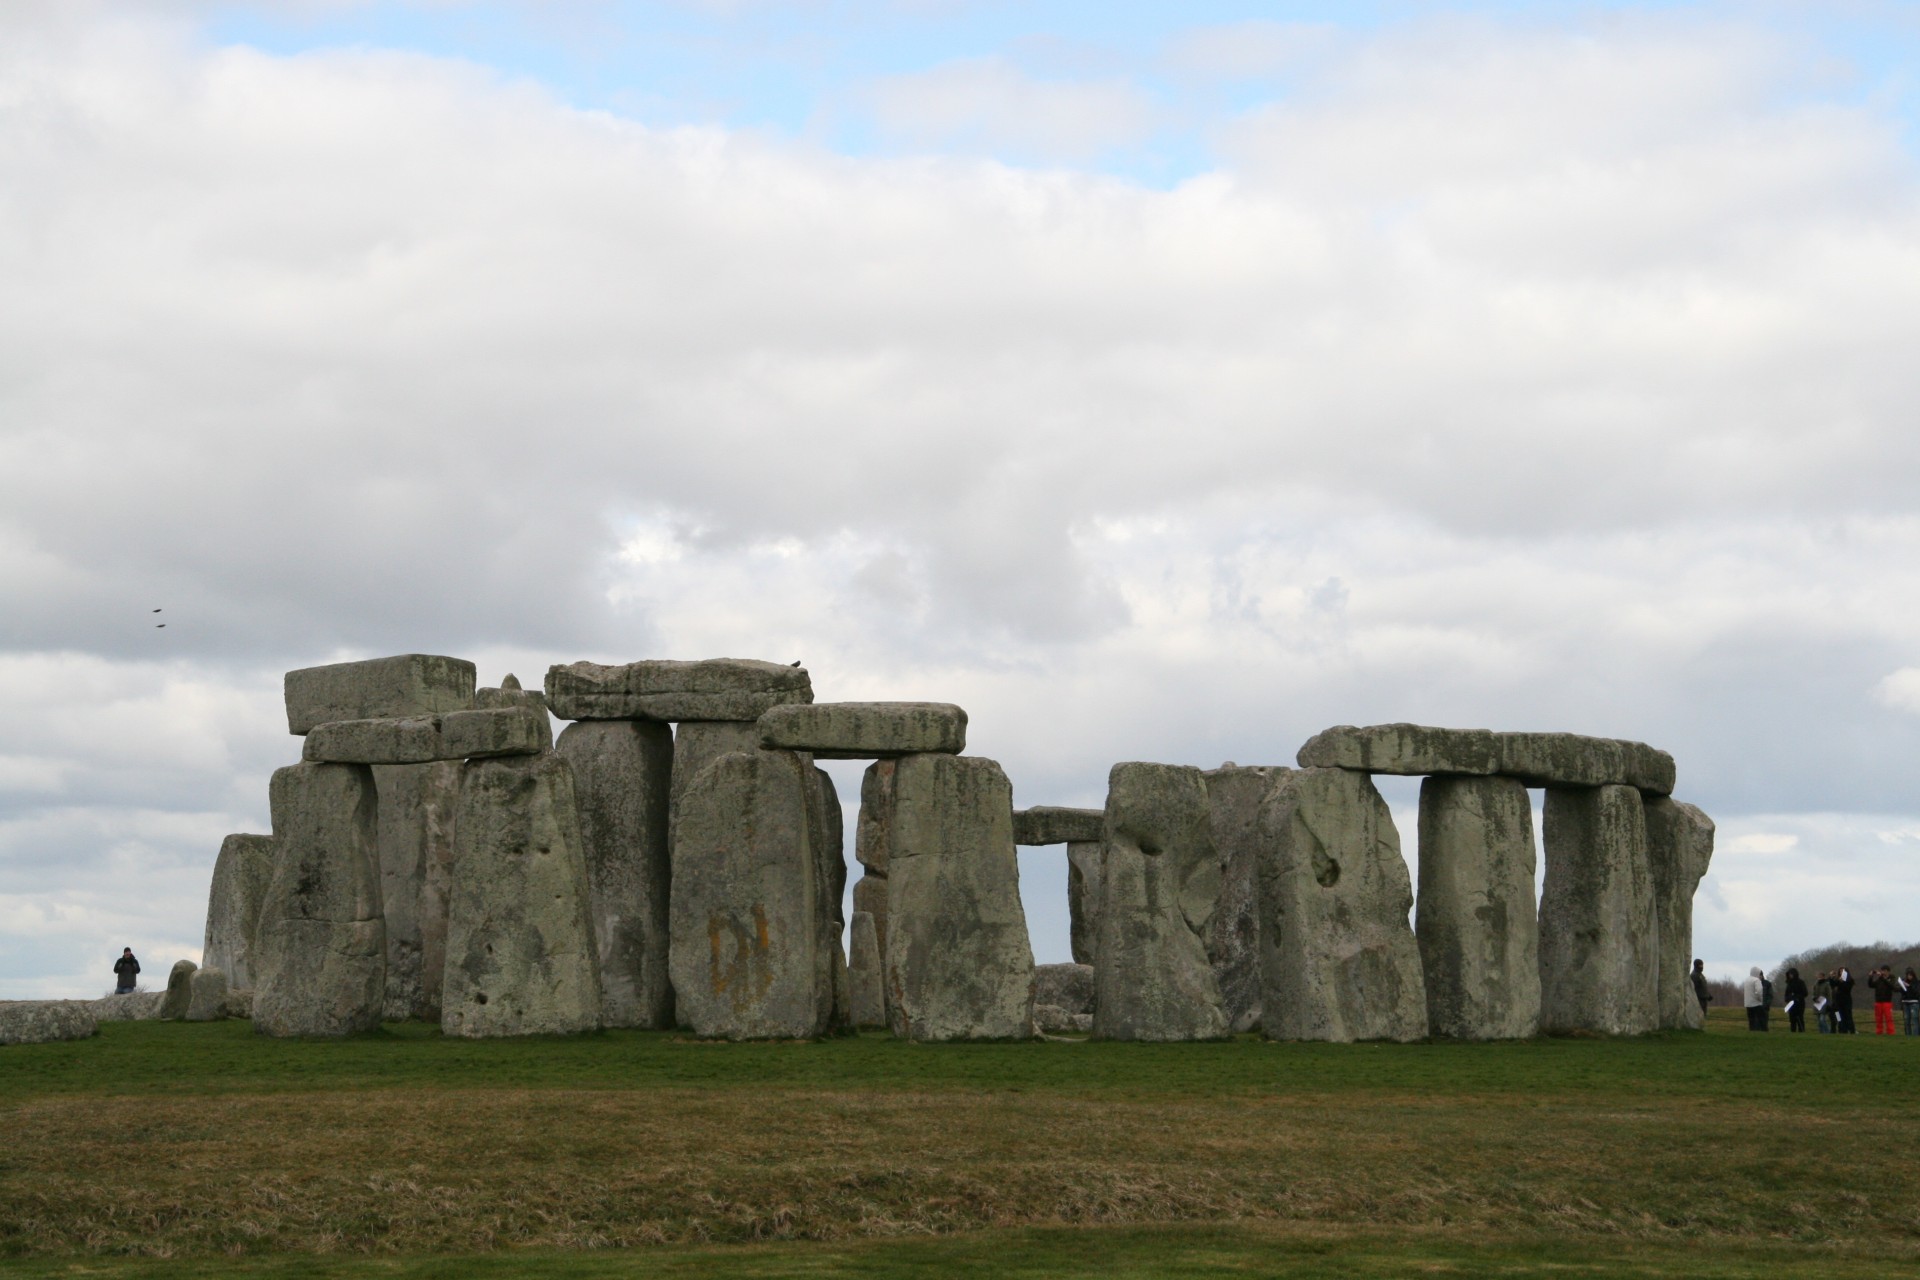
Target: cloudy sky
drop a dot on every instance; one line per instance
(1157, 382)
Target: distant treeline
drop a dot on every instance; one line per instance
(1856, 959)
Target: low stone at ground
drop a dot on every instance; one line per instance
(240, 876)
(865, 730)
(408, 684)
(1068, 987)
(179, 990)
(135, 1006)
(45, 1021)
(206, 996)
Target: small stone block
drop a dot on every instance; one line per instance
(866, 730)
(1049, 824)
(409, 684)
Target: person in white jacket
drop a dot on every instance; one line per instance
(1753, 993)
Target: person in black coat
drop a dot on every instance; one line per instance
(1796, 1001)
(125, 970)
(1843, 1002)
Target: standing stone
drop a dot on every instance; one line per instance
(1153, 980)
(958, 963)
(1679, 847)
(1475, 918)
(1337, 958)
(752, 942)
(322, 967)
(521, 958)
(830, 862)
(1235, 794)
(240, 877)
(864, 973)
(179, 990)
(1067, 987)
(697, 744)
(1086, 882)
(417, 805)
(409, 684)
(622, 772)
(873, 843)
(1599, 944)
(206, 996)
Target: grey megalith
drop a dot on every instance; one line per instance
(414, 833)
(206, 996)
(1051, 824)
(697, 744)
(1153, 979)
(45, 1021)
(457, 735)
(1337, 958)
(958, 962)
(830, 865)
(322, 963)
(712, 689)
(865, 730)
(1679, 847)
(521, 958)
(240, 877)
(179, 990)
(873, 844)
(753, 951)
(1235, 795)
(1086, 882)
(408, 684)
(1599, 949)
(622, 772)
(865, 978)
(1539, 759)
(1475, 916)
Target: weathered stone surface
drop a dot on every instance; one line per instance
(458, 735)
(865, 730)
(509, 694)
(240, 876)
(1570, 760)
(414, 834)
(1153, 980)
(44, 1021)
(714, 689)
(870, 896)
(321, 964)
(521, 958)
(135, 1006)
(697, 744)
(1337, 958)
(1599, 944)
(1475, 917)
(1407, 749)
(238, 1004)
(1679, 847)
(1235, 795)
(958, 963)
(752, 942)
(1050, 824)
(1051, 1019)
(179, 990)
(1086, 882)
(1067, 987)
(873, 830)
(206, 996)
(622, 773)
(830, 842)
(866, 990)
(408, 684)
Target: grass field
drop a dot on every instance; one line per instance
(172, 1149)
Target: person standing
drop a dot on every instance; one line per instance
(1881, 980)
(125, 970)
(1843, 1001)
(1700, 990)
(1796, 1001)
(1910, 1003)
(1753, 994)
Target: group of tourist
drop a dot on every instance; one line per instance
(1830, 997)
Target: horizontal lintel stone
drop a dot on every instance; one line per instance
(713, 689)
(866, 730)
(1051, 824)
(458, 735)
(407, 684)
(1538, 759)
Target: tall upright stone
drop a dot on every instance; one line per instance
(418, 803)
(873, 843)
(865, 974)
(958, 962)
(622, 771)
(240, 877)
(1337, 958)
(1599, 933)
(1235, 794)
(697, 744)
(521, 958)
(753, 946)
(1679, 847)
(1086, 882)
(1475, 917)
(1153, 979)
(322, 942)
(830, 844)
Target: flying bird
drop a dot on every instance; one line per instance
(156, 611)
(159, 625)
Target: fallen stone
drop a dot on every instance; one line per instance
(135, 1006)
(240, 877)
(521, 958)
(458, 735)
(697, 744)
(1338, 960)
(179, 991)
(1050, 824)
(1475, 918)
(1052, 1020)
(1235, 795)
(1153, 980)
(418, 804)
(1599, 944)
(866, 991)
(322, 945)
(1570, 760)
(715, 689)
(865, 730)
(1406, 749)
(1679, 847)
(752, 943)
(44, 1021)
(206, 996)
(622, 772)
(1086, 882)
(409, 684)
(958, 964)
(238, 1004)
(1067, 987)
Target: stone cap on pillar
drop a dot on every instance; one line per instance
(736, 689)
(1538, 759)
(407, 684)
(1050, 824)
(458, 735)
(866, 730)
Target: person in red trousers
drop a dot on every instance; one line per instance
(1882, 984)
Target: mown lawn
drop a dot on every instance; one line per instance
(162, 1149)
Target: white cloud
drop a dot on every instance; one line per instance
(1901, 689)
